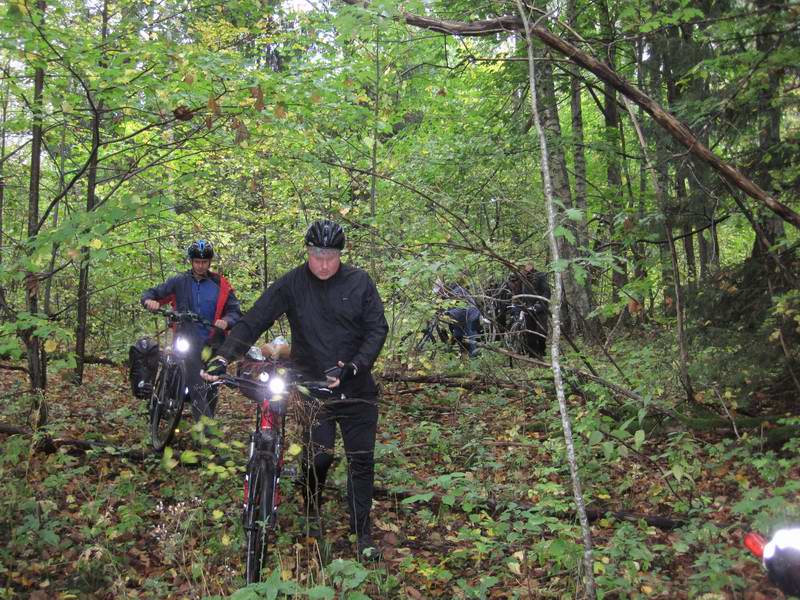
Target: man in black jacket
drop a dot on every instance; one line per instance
(337, 322)
(205, 293)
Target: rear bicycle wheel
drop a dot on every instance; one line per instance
(166, 404)
(257, 518)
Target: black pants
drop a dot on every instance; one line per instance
(203, 396)
(467, 326)
(358, 421)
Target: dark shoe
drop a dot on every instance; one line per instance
(367, 549)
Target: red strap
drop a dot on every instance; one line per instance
(224, 291)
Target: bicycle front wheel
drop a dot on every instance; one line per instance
(166, 405)
(258, 517)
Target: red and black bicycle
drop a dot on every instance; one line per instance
(271, 385)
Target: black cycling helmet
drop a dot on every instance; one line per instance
(200, 249)
(325, 234)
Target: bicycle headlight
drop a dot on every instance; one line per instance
(182, 345)
(277, 385)
(263, 377)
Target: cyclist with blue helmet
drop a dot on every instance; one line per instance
(208, 294)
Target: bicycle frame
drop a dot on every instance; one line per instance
(262, 497)
(165, 411)
(267, 441)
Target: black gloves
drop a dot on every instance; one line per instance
(345, 373)
(348, 372)
(217, 366)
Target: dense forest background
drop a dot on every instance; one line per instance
(129, 128)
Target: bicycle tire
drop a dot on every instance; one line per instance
(167, 404)
(257, 518)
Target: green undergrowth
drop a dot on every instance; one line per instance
(473, 491)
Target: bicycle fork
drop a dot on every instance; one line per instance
(265, 443)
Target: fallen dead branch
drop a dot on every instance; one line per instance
(449, 381)
(48, 444)
(592, 513)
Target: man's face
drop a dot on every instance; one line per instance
(200, 266)
(324, 262)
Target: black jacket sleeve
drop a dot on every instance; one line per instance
(375, 329)
(270, 305)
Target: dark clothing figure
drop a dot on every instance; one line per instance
(464, 321)
(358, 421)
(465, 327)
(212, 298)
(526, 297)
(336, 319)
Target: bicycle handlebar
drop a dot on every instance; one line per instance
(183, 317)
(239, 382)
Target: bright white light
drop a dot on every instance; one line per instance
(783, 539)
(277, 385)
(182, 345)
(263, 377)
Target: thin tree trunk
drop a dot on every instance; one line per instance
(688, 250)
(265, 255)
(54, 253)
(577, 292)
(37, 370)
(702, 252)
(688, 238)
(377, 107)
(2, 165)
(682, 342)
(619, 276)
(588, 563)
(769, 116)
(81, 330)
(580, 227)
(579, 145)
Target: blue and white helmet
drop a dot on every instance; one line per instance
(200, 249)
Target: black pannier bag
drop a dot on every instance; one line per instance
(143, 360)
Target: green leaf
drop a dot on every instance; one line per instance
(321, 592)
(167, 462)
(638, 438)
(189, 457)
(562, 231)
(418, 498)
(49, 537)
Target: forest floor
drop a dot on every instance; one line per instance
(473, 498)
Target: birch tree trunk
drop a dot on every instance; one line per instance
(588, 575)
